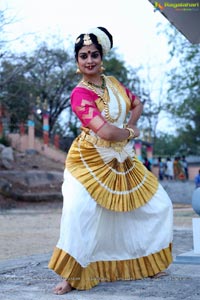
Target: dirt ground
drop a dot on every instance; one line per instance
(29, 228)
(33, 228)
(28, 231)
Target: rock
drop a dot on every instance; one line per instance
(33, 178)
(5, 187)
(31, 185)
(1, 147)
(7, 158)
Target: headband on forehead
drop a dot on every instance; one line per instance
(102, 38)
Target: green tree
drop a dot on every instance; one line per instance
(52, 74)
(169, 145)
(184, 91)
(44, 81)
(15, 92)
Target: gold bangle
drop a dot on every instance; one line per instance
(131, 133)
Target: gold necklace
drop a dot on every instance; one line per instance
(105, 101)
(102, 86)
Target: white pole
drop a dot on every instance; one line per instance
(196, 235)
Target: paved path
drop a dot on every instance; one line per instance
(28, 278)
(34, 229)
(28, 235)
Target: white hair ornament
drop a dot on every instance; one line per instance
(102, 38)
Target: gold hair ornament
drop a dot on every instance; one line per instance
(78, 71)
(77, 40)
(87, 40)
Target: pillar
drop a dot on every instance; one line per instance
(31, 134)
(57, 141)
(46, 128)
(1, 128)
(196, 235)
(149, 151)
(21, 128)
(1, 122)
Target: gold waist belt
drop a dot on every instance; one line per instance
(117, 146)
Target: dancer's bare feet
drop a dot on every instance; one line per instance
(160, 274)
(62, 288)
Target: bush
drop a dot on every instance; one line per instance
(4, 140)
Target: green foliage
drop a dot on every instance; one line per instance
(164, 145)
(4, 141)
(52, 75)
(170, 145)
(115, 66)
(43, 79)
(184, 92)
(14, 92)
(128, 76)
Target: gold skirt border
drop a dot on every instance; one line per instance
(105, 271)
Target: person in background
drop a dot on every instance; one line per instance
(197, 180)
(169, 172)
(147, 164)
(185, 167)
(117, 220)
(161, 169)
(179, 173)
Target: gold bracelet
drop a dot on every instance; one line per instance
(131, 133)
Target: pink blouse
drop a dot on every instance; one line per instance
(84, 106)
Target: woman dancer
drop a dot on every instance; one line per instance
(117, 219)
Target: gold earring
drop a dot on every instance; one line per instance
(102, 69)
(78, 71)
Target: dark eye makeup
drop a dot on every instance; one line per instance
(95, 54)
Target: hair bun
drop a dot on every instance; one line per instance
(104, 38)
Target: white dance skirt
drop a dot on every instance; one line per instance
(91, 233)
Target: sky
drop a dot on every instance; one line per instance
(131, 22)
